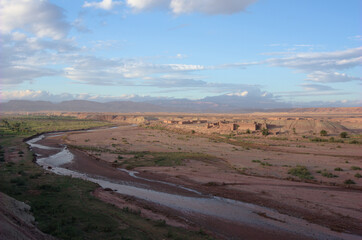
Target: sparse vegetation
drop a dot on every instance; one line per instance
(262, 163)
(301, 172)
(28, 125)
(317, 139)
(355, 168)
(343, 134)
(338, 169)
(358, 175)
(349, 181)
(323, 133)
(265, 132)
(327, 174)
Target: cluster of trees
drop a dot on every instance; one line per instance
(18, 127)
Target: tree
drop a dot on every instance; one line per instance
(265, 131)
(323, 133)
(343, 135)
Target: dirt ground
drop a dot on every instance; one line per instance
(325, 201)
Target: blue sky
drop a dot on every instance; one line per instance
(291, 51)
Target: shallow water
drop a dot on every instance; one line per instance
(32, 143)
(237, 211)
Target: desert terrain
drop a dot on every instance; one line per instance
(298, 173)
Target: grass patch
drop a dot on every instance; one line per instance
(301, 172)
(317, 139)
(30, 125)
(142, 159)
(327, 174)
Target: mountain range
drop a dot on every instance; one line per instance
(217, 104)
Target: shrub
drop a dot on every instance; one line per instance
(338, 169)
(355, 168)
(323, 133)
(343, 134)
(327, 174)
(349, 181)
(265, 164)
(301, 172)
(265, 132)
(317, 139)
(248, 131)
(358, 175)
(354, 142)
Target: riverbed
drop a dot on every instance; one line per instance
(238, 212)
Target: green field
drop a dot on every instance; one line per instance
(63, 206)
(38, 124)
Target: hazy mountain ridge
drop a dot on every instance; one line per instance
(220, 104)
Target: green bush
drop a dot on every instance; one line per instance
(327, 174)
(323, 133)
(349, 181)
(301, 172)
(355, 168)
(343, 134)
(358, 175)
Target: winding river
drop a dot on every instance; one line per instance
(236, 211)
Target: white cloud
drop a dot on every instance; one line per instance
(190, 6)
(320, 61)
(209, 6)
(316, 87)
(329, 77)
(41, 18)
(96, 71)
(140, 5)
(240, 94)
(105, 4)
(17, 74)
(26, 58)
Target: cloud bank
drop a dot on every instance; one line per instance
(178, 7)
(41, 18)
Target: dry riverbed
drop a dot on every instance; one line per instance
(257, 175)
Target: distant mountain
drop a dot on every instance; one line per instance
(78, 106)
(217, 104)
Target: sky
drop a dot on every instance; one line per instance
(297, 52)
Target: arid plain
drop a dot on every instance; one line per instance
(307, 165)
(294, 175)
